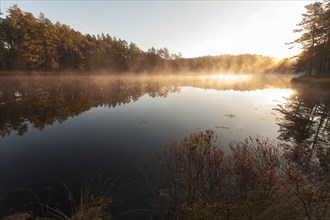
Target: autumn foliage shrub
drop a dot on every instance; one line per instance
(256, 179)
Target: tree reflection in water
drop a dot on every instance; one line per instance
(305, 117)
(43, 100)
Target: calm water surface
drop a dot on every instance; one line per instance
(71, 130)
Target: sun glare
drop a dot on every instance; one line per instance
(275, 96)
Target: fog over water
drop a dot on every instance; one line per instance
(65, 129)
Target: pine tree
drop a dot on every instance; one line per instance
(314, 40)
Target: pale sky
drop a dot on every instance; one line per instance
(194, 28)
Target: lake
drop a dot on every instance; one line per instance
(60, 133)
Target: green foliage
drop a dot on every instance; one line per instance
(315, 40)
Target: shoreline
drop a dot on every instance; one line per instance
(311, 81)
(114, 73)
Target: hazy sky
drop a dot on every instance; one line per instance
(194, 28)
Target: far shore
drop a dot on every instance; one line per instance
(312, 81)
(52, 73)
(114, 73)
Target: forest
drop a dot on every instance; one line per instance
(314, 40)
(28, 43)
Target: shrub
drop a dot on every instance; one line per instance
(258, 179)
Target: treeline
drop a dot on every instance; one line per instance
(29, 43)
(244, 63)
(37, 44)
(314, 40)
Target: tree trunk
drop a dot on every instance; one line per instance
(327, 57)
(312, 52)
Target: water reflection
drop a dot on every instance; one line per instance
(41, 101)
(304, 118)
(118, 123)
